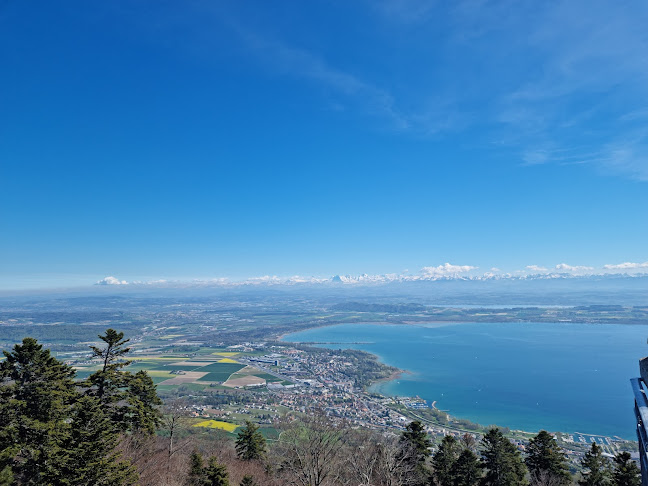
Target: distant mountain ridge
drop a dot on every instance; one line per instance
(366, 279)
(371, 307)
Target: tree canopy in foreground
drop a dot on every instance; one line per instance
(54, 430)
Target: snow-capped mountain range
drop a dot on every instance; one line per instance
(366, 279)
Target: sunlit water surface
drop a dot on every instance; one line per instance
(559, 377)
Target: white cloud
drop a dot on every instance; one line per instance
(265, 279)
(295, 61)
(214, 281)
(536, 268)
(573, 268)
(535, 156)
(446, 269)
(626, 266)
(111, 281)
(495, 269)
(587, 50)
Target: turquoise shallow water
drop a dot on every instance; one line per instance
(559, 377)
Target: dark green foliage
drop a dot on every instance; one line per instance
(466, 470)
(130, 400)
(228, 368)
(216, 474)
(444, 459)
(51, 433)
(250, 444)
(196, 469)
(625, 472)
(141, 413)
(109, 380)
(90, 446)
(416, 436)
(6, 477)
(415, 449)
(502, 461)
(248, 481)
(546, 460)
(36, 392)
(215, 376)
(596, 468)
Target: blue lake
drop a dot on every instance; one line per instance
(559, 377)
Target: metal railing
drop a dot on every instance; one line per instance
(641, 414)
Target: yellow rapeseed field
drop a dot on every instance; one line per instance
(217, 424)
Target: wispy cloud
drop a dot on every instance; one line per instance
(626, 155)
(423, 113)
(639, 114)
(561, 83)
(299, 62)
(594, 70)
(626, 266)
(565, 83)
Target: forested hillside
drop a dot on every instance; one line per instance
(113, 429)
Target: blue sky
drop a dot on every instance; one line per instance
(200, 139)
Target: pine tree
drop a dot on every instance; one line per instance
(626, 472)
(6, 477)
(196, 469)
(90, 448)
(415, 449)
(416, 437)
(250, 444)
(130, 400)
(444, 459)
(108, 380)
(466, 470)
(36, 393)
(546, 459)
(596, 468)
(216, 474)
(50, 433)
(248, 481)
(141, 412)
(502, 461)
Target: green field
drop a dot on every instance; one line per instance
(267, 377)
(220, 371)
(172, 367)
(270, 433)
(184, 386)
(223, 368)
(159, 376)
(142, 365)
(215, 376)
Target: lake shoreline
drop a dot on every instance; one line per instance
(422, 324)
(378, 386)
